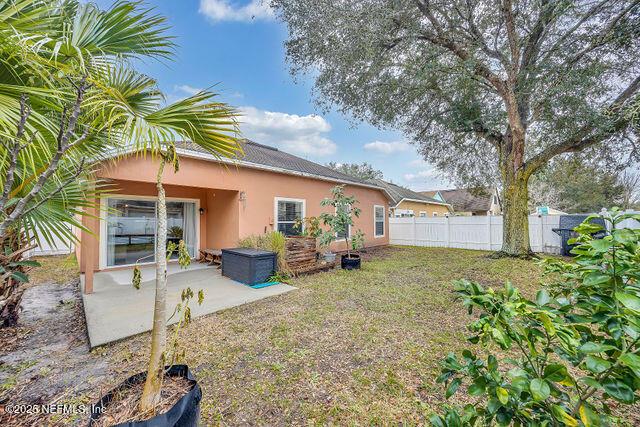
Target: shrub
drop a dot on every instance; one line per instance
(576, 343)
(309, 226)
(273, 241)
(341, 220)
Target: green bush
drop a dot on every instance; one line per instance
(273, 241)
(574, 349)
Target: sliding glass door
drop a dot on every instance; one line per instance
(132, 227)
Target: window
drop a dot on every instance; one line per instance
(423, 214)
(435, 214)
(130, 229)
(288, 211)
(378, 221)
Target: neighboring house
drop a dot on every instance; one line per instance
(467, 202)
(212, 203)
(547, 210)
(408, 203)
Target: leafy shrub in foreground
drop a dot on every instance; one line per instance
(575, 347)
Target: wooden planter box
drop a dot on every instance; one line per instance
(300, 252)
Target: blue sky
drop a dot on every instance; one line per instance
(238, 46)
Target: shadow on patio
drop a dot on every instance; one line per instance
(116, 310)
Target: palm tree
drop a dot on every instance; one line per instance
(68, 97)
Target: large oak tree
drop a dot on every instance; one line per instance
(478, 85)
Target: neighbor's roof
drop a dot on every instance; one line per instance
(398, 193)
(466, 200)
(429, 193)
(266, 157)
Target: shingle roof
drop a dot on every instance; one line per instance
(398, 193)
(264, 155)
(467, 200)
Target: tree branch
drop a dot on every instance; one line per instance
(583, 137)
(512, 38)
(67, 128)
(439, 39)
(58, 189)
(14, 150)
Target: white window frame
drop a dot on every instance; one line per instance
(102, 250)
(384, 220)
(423, 214)
(288, 199)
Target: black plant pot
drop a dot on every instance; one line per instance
(185, 413)
(350, 262)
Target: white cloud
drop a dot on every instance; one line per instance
(225, 10)
(303, 135)
(418, 163)
(187, 90)
(387, 147)
(421, 176)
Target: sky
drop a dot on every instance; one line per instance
(236, 47)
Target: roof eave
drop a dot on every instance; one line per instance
(237, 162)
(428, 202)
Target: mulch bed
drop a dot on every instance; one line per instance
(124, 406)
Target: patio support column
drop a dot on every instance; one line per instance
(88, 281)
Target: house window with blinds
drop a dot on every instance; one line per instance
(378, 220)
(288, 211)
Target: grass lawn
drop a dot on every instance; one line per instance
(58, 269)
(346, 347)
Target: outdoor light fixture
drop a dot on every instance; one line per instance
(201, 211)
(243, 199)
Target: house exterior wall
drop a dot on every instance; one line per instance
(237, 201)
(418, 207)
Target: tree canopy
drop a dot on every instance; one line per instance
(574, 185)
(437, 71)
(484, 88)
(359, 170)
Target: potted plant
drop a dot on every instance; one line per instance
(339, 224)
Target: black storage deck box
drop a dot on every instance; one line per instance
(248, 266)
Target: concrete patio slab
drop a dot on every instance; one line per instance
(116, 310)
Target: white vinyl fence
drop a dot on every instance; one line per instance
(471, 232)
(59, 247)
(476, 232)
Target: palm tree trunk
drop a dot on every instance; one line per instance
(155, 371)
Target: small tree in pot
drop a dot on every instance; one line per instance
(339, 224)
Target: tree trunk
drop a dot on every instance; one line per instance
(13, 246)
(515, 229)
(155, 371)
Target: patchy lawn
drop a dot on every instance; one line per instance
(57, 269)
(346, 347)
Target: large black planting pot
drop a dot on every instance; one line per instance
(185, 413)
(350, 262)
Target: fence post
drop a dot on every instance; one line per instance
(415, 232)
(541, 233)
(447, 239)
(489, 230)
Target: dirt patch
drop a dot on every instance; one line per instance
(47, 359)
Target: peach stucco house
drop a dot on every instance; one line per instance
(213, 203)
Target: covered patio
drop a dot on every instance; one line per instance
(116, 310)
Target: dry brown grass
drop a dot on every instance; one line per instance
(359, 347)
(58, 269)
